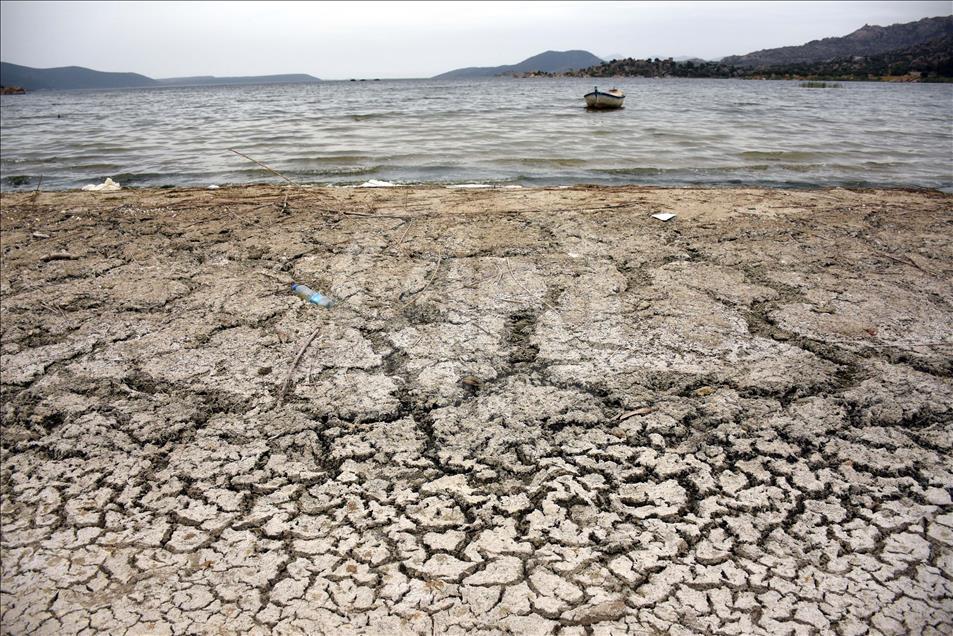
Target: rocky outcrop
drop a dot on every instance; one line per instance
(865, 41)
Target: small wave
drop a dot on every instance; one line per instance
(96, 167)
(346, 159)
(20, 180)
(483, 186)
(782, 155)
(372, 116)
(346, 172)
(544, 163)
(124, 178)
(633, 171)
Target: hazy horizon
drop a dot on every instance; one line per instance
(338, 40)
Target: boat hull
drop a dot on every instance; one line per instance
(604, 100)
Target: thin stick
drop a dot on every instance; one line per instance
(416, 294)
(271, 170)
(373, 216)
(523, 287)
(404, 235)
(36, 192)
(58, 309)
(294, 365)
(907, 261)
(365, 214)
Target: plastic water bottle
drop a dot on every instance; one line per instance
(310, 295)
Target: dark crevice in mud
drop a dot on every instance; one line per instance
(520, 329)
(395, 362)
(422, 312)
(787, 396)
(849, 369)
(139, 380)
(941, 368)
(420, 412)
(923, 418)
(849, 373)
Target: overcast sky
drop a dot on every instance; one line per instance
(340, 40)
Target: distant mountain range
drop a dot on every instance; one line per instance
(865, 41)
(77, 77)
(548, 62)
(67, 77)
(211, 80)
(921, 50)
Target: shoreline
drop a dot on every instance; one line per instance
(538, 410)
(377, 184)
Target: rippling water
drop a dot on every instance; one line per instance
(504, 131)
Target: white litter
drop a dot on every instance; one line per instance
(663, 216)
(374, 183)
(213, 187)
(106, 186)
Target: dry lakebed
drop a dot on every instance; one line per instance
(530, 411)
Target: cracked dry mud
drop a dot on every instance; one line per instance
(532, 412)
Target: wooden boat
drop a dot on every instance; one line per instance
(609, 99)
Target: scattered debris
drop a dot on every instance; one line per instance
(40, 235)
(311, 296)
(663, 216)
(374, 183)
(106, 186)
(471, 383)
(645, 410)
(60, 256)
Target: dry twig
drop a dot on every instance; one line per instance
(372, 216)
(417, 293)
(907, 261)
(294, 365)
(404, 235)
(523, 287)
(36, 193)
(271, 170)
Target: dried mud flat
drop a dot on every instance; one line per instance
(531, 412)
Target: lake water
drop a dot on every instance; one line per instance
(500, 131)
